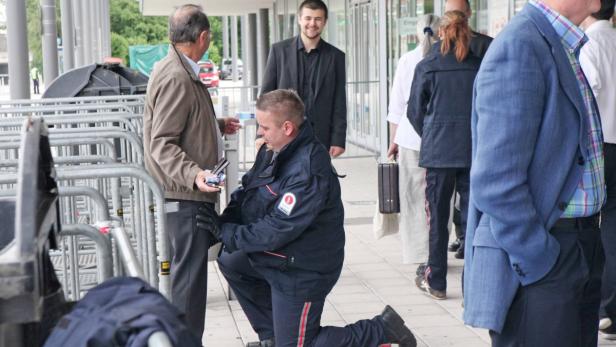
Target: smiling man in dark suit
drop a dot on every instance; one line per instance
(316, 70)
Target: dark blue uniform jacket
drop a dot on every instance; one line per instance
(288, 217)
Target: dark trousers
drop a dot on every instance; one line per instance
(608, 237)
(35, 84)
(291, 321)
(561, 309)
(440, 186)
(189, 247)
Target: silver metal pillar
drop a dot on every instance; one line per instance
(234, 56)
(17, 45)
(382, 63)
(68, 40)
(78, 23)
(245, 56)
(86, 15)
(49, 41)
(262, 42)
(225, 36)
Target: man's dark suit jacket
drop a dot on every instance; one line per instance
(480, 44)
(329, 115)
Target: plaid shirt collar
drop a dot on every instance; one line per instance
(572, 37)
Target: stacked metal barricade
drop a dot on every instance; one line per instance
(107, 200)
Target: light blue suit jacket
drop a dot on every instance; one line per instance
(529, 147)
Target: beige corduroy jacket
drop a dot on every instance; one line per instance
(179, 136)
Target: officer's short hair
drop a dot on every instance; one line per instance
(285, 103)
(186, 24)
(607, 10)
(313, 5)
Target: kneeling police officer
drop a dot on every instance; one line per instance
(283, 238)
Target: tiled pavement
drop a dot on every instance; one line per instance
(373, 276)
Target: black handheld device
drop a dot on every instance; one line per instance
(220, 166)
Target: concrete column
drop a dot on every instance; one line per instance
(49, 41)
(245, 55)
(96, 38)
(225, 36)
(234, 56)
(251, 52)
(78, 20)
(68, 39)
(262, 42)
(105, 28)
(17, 46)
(86, 21)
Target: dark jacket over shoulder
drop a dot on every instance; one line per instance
(480, 44)
(288, 218)
(439, 108)
(329, 114)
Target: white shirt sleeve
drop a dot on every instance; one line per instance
(589, 62)
(399, 91)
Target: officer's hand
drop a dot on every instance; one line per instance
(200, 182)
(208, 221)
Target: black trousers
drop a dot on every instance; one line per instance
(561, 309)
(291, 321)
(608, 237)
(440, 187)
(189, 263)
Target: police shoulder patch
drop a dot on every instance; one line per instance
(287, 203)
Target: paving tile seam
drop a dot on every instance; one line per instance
(359, 239)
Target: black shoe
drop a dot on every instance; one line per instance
(422, 283)
(264, 343)
(460, 252)
(421, 269)
(454, 246)
(395, 330)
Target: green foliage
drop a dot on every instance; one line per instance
(129, 27)
(119, 46)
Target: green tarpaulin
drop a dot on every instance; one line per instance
(143, 57)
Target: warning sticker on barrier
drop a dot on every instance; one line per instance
(165, 267)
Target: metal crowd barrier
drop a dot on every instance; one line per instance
(98, 153)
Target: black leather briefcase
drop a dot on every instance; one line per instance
(389, 197)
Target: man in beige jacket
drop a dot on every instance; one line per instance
(182, 138)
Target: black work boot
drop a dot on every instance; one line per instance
(460, 252)
(264, 343)
(454, 246)
(395, 330)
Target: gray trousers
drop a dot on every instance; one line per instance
(189, 247)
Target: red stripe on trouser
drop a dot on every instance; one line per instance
(302, 324)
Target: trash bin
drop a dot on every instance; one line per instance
(97, 80)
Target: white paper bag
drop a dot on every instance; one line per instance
(384, 224)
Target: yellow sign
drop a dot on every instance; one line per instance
(165, 267)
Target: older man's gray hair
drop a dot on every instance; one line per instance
(186, 24)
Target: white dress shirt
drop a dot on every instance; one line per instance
(598, 60)
(400, 91)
